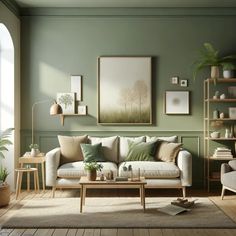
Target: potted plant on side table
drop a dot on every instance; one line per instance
(92, 168)
(4, 187)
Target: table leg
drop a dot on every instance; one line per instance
(141, 194)
(28, 181)
(143, 191)
(21, 165)
(81, 198)
(84, 195)
(43, 175)
(20, 182)
(17, 184)
(37, 180)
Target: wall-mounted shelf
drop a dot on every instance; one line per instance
(222, 159)
(222, 80)
(221, 100)
(223, 119)
(63, 116)
(222, 139)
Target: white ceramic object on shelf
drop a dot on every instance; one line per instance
(227, 74)
(215, 134)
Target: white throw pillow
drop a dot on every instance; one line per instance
(172, 139)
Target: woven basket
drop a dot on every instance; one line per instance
(4, 195)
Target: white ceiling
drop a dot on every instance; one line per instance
(126, 3)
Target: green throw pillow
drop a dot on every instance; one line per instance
(92, 152)
(141, 151)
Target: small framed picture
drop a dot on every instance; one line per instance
(184, 83)
(67, 102)
(232, 112)
(82, 110)
(177, 103)
(175, 80)
(76, 86)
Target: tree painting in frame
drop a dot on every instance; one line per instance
(177, 103)
(124, 90)
(67, 102)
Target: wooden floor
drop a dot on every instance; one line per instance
(228, 205)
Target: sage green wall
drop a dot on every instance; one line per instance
(56, 45)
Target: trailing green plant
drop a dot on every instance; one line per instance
(4, 142)
(210, 57)
(33, 146)
(93, 166)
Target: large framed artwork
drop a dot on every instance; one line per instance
(177, 103)
(124, 91)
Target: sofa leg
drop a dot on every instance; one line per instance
(222, 193)
(184, 192)
(53, 191)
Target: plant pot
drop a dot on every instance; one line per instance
(34, 152)
(4, 195)
(227, 74)
(215, 72)
(91, 175)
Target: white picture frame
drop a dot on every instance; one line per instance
(82, 110)
(232, 112)
(76, 86)
(175, 80)
(177, 103)
(67, 102)
(184, 83)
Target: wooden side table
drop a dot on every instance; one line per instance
(40, 159)
(20, 172)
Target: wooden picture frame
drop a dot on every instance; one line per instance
(124, 90)
(177, 103)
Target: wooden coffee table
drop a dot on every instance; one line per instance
(85, 184)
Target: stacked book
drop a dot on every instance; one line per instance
(223, 153)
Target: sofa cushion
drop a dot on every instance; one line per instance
(70, 148)
(228, 179)
(172, 139)
(232, 164)
(141, 151)
(92, 152)
(124, 148)
(109, 147)
(167, 151)
(150, 169)
(76, 169)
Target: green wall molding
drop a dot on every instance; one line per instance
(130, 12)
(12, 6)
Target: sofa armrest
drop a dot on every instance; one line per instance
(184, 162)
(52, 164)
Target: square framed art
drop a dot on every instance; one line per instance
(124, 90)
(67, 102)
(177, 103)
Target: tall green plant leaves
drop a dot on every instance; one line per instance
(5, 141)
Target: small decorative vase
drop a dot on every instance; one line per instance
(215, 72)
(216, 114)
(34, 152)
(91, 175)
(227, 74)
(227, 133)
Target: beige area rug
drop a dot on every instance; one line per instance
(114, 213)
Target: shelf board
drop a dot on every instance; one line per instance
(214, 179)
(222, 159)
(224, 119)
(62, 117)
(221, 100)
(222, 80)
(223, 139)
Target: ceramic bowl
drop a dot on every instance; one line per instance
(215, 134)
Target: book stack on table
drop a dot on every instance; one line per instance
(223, 153)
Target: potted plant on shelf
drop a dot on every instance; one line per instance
(210, 58)
(92, 168)
(34, 149)
(228, 70)
(4, 187)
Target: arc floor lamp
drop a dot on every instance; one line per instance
(55, 109)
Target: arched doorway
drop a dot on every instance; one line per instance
(7, 94)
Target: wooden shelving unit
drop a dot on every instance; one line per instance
(208, 102)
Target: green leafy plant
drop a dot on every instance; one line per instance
(4, 142)
(228, 66)
(210, 57)
(33, 146)
(93, 166)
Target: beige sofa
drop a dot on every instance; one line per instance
(158, 174)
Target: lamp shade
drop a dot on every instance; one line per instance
(55, 109)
